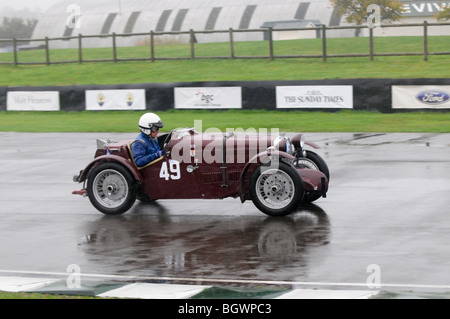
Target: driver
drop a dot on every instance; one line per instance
(146, 148)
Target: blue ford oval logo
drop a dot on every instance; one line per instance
(433, 97)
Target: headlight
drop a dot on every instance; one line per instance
(283, 143)
(302, 141)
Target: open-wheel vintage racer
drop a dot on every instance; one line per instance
(272, 170)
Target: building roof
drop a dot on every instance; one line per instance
(139, 16)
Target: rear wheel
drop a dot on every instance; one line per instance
(276, 191)
(111, 188)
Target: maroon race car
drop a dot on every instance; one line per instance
(272, 170)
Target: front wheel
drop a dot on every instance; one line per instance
(276, 191)
(315, 162)
(111, 188)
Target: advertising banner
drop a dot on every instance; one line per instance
(414, 8)
(208, 98)
(32, 101)
(99, 100)
(421, 96)
(330, 96)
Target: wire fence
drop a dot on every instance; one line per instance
(266, 49)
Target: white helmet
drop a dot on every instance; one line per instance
(150, 122)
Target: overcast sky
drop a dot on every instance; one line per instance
(43, 5)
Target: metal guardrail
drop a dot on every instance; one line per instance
(231, 54)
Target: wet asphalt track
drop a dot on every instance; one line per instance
(388, 208)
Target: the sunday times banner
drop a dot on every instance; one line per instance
(421, 96)
(329, 96)
(208, 98)
(32, 101)
(98, 100)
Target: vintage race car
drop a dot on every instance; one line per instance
(272, 170)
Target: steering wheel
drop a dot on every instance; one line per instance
(167, 140)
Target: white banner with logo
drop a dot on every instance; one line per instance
(208, 98)
(329, 96)
(417, 8)
(98, 100)
(32, 101)
(421, 96)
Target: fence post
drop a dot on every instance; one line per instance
(47, 52)
(425, 41)
(231, 43)
(271, 43)
(152, 46)
(80, 49)
(192, 37)
(114, 47)
(371, 43)
(324, 43)
(15, 51)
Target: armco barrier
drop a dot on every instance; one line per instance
(368, 94)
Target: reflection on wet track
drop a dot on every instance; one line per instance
(155, 243)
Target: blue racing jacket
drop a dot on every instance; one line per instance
(145, 150)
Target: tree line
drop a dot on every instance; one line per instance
(355, 11)
(16, 28)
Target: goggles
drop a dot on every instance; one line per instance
(154, 127)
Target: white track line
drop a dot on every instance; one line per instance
(224, 281)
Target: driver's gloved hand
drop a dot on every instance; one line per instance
(160, 153)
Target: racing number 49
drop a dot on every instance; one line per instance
(170, 170)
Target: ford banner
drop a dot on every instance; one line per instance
(421, 97)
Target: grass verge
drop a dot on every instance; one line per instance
(32, 295)
(287, 121)
(232, 70)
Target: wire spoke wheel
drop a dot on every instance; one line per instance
(110, 188)
(313, 161)
(275, 188)
(276, 191)
(306, 163)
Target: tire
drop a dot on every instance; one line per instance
(276, 191)
(313, 161)
(111, 188)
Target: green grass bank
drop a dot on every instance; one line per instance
(292, 121)
(231, 70)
